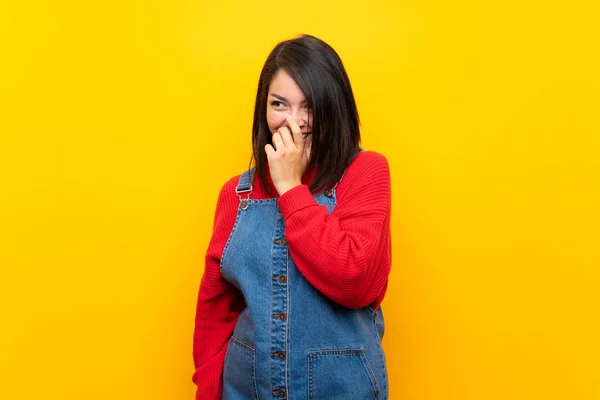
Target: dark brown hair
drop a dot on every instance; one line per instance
(319, 73)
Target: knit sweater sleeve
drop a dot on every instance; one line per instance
(346, 255)
(218, 306)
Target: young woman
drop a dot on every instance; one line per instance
(298, 264)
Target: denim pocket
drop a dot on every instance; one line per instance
(341, 374)
(239, 380)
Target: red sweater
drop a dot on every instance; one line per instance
(346, 255)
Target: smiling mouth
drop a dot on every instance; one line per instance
(305, 135)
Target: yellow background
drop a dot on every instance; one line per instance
(120, 121)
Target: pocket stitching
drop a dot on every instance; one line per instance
(370, 372)
(314, 354)
(251, 352)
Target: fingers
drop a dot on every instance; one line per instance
(270, 151)
(296, 131)
(286, 137)
(278, 142)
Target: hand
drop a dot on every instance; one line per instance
(288, 157)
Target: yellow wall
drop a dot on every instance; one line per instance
(120, 120)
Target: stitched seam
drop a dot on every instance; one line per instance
(262, 201)
(254, 388)
(272, 320)
(370, 372)
(237, 219)
(251, 352)
(330, 352)
(287, 321)
(380, 348)
(310, 378)
(314, 354)
(243, 345)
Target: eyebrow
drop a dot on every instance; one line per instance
(284, 99)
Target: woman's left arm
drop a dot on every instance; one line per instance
(346, 255)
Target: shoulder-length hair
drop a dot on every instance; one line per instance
(319, 73)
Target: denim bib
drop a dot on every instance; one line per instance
(290, 341)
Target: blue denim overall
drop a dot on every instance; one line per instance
(290, 341)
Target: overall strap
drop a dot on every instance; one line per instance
(245, 186)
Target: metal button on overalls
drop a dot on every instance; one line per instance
(282, 242)
(281, 316)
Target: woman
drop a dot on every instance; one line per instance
(298, 264)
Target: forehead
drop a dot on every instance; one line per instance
(283, 85)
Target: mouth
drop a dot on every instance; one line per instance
(306, 135)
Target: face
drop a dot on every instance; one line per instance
(286, 98)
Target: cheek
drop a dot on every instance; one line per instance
(275, 119)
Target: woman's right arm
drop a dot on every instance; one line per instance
(219, 304)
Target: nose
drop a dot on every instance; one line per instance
(300, 116)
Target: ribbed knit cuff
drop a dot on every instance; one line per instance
(296, 199)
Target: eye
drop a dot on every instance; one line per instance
(277, 104)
